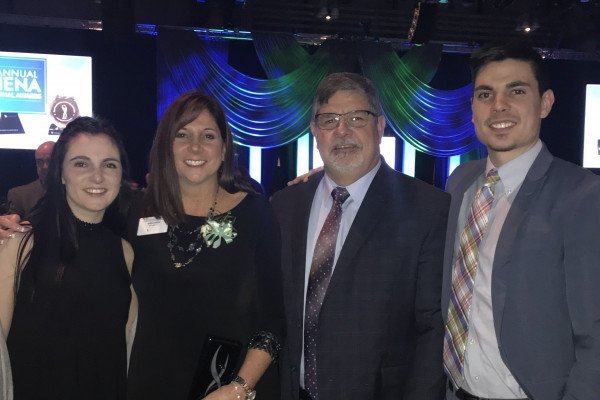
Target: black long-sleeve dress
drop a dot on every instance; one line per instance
(67, 338)
(231, 292)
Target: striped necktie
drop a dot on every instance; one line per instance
(318, 281)
(463, 276)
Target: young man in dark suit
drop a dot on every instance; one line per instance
(362, 259)
(521, 269)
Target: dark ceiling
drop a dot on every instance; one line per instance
(571, 25)
(557, 24)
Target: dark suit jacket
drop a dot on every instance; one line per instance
(545, 279)
(22, 199)
(380, 329)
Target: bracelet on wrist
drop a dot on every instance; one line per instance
(237, 388)
(250, 393)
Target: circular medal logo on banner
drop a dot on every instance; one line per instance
(64, 109)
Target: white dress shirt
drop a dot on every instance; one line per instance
(485, 374)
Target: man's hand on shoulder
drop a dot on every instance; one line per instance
(9, 224)
(304, 177)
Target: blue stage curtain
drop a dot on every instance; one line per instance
(273, 112)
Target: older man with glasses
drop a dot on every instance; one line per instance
(362, 261)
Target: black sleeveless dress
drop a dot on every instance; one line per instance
(67, 338)
(231, 292)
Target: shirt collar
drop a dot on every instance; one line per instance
(357, 189)
(512, 174)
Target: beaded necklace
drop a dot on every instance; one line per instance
(178, 234)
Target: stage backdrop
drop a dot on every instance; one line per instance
(275, 111)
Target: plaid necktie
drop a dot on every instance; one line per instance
(463, 276)
(320, 274)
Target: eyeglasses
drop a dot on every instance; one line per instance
(354, 119)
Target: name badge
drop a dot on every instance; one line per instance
(151, 226)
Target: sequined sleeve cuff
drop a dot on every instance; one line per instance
(267, 342)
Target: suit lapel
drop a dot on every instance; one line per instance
(458, 192)
(364, 223)
(457, 189)
(302, 206)
(525, 199)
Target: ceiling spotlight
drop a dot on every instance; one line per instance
(328, 14)
(527, 24)
(527, 27)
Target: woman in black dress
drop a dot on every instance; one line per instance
(207, 268)
(66, 322)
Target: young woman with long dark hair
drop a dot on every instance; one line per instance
(66, 297)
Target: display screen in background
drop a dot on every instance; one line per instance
(39, 95)
(591, 133)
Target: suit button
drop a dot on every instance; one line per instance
(294, 368)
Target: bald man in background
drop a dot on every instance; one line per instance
(22, 199)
